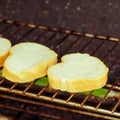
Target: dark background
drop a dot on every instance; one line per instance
(100, 17)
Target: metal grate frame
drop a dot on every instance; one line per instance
(64, 41)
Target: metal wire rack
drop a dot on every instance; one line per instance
(64, 41)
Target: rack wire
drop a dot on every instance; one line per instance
(65, 41)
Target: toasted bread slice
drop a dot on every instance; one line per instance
(5, 46)
(28, 61)
(78, 73)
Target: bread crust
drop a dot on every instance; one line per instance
(35, 72)
(31, 73)
(3, 58)
(6, 53)
(76, 84)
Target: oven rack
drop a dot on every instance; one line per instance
(65, 41)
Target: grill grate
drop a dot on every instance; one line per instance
(64, 41)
